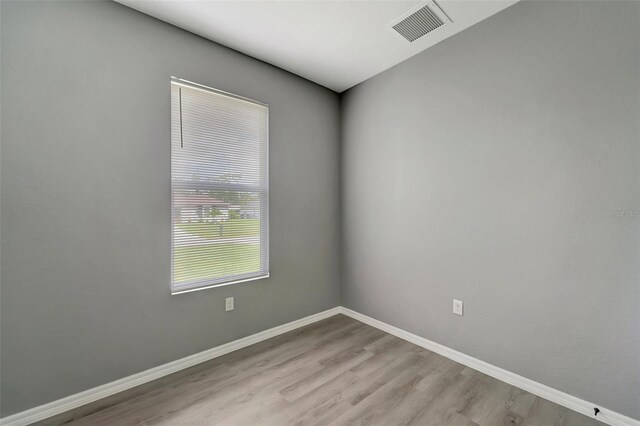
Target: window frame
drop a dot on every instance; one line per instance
(263, 189)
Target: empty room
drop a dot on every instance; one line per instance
(320, 212)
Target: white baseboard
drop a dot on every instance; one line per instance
(576, 404)
(74, 401)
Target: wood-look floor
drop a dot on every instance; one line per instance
(334, 372)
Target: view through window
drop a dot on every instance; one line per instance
(219, 188)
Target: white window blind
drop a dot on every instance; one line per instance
(219, 188)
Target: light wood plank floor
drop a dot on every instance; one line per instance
(334, 372)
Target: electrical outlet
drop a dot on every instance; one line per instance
(457, 307)
(228, 304)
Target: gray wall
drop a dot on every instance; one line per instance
(483, 170)
(85, 198)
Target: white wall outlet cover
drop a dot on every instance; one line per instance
(457, 307)
(228, 304)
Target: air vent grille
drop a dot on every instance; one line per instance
(417, 24)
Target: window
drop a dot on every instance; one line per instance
(219, 188)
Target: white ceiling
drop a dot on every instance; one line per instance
(337, 44)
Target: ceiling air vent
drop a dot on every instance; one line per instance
(417, 24)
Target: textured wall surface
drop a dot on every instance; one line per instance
(496, 168)
(85, 198)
